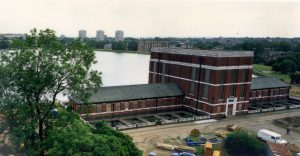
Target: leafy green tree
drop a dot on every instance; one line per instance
(133, 45)
(119, 45)
(242, 143)
(295, 78)
(287, 66)
(276, 67)
(4, 44)
(76, 138)
(34, 74)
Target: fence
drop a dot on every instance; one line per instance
(123, 127)
(254, 111)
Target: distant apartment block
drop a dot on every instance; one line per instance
(119, 35)
(147, 45)
(100, 36)
(82, 34)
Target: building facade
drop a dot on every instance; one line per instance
(82, 34)
(107, 102)
(119, 35)
(265, 89)
(214, 82)
(147, 45)
(100, 36)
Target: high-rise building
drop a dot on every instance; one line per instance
(82, 34)
(100, 36)
(119, 35)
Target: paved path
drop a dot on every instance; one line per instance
(146, 138)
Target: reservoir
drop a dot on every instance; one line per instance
(122, 68)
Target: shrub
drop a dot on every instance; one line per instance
(241, 143)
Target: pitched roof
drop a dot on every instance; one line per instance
(267, 82)
(132, 92)
(279, 149)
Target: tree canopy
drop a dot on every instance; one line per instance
(242, 143)
(33, 75)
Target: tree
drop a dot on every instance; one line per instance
(118, 45)
(78, 139)
(295, 78)
(287, 66)
(276, 67)
(4, 44)
(242, 143)
(34, 74)
(133, 45)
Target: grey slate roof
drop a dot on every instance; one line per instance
(267, 82)
(198, 52)
(132, 92)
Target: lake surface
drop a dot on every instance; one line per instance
(122, 68)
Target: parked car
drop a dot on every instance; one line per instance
(270, 136)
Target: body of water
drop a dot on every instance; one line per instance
(122, 68)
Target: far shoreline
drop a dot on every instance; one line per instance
(121, 51)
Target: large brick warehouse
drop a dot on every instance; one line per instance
(213, 82)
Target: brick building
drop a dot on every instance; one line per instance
(129, 100)
(214, 82)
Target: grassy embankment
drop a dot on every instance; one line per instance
(263, 70)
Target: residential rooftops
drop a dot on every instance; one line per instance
(267, 82)
(132, 92)
(198, 52)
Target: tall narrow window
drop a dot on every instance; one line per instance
(192, 88)
(221, 92)
(163, 66)
(207, 75)
(243, 90)
(231, 90)
(205, 91)
(234, 76)
(154, 72)
(193, 75)
(223, 76)
(243, 74)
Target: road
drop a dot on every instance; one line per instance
(146, 138)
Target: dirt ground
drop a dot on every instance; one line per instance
(147, 138)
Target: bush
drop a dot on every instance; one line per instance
(241, 143)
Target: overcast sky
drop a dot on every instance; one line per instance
(147, 18)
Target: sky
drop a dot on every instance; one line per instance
(150, 18)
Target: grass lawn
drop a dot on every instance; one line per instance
(263, 70)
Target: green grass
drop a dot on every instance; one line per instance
(263, 70)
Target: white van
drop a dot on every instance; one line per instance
(270, 136)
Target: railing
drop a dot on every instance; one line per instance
(267, 110)
(169, 121)
(123, 127)
(202, 117)
(186, 119)
(254, 111)
(146, 124)
(279, 108)
(294, 106)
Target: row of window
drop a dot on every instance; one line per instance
(220, 92)
(108, 107)
(222, 74)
